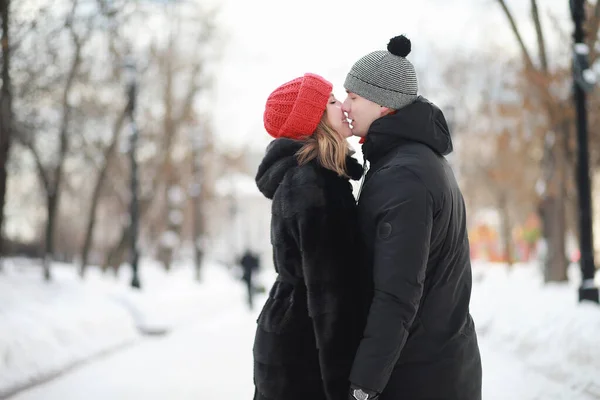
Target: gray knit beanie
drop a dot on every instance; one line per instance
(385, 77)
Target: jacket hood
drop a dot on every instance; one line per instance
(421, 121)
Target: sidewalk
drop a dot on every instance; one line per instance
(212, 359)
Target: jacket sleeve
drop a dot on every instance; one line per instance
(404, 220)
(329, 300)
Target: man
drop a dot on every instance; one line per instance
(420, 341)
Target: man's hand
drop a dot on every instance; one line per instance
(358, 393)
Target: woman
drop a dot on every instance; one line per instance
(312, 321)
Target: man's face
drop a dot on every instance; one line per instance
(362, 113)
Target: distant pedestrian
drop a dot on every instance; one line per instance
(250, 263)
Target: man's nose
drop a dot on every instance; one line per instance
(346, 106)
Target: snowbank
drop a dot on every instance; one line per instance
(47, 328)
(542, 325)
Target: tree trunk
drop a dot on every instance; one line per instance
(196, 198)
(171, 238)
(198, 260)
(5, 114)
(555, 264)
(553, 208)
(51, 208)
(55, 186)
(116, 255)
(108, 157)
(87, 244)
(506, 230)
(197, 235)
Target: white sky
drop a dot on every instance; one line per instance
(273, 41)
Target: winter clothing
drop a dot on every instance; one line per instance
(295, 108)
(420, 340)
(313, 319)
(385, 77)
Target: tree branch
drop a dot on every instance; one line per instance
(517, 33)
(188, 101)
(557, 27)
(66, 115)
(39, 166)
(540, 36)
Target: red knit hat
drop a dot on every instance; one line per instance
(295, 108)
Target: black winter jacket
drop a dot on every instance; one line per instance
(312, 321)
(419, 341)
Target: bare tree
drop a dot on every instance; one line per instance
(179, 110)
(552, 205)
(496, 139)
(115, 44)
(201, 188)
(6, 112)
(51, 174)
(593, 30)
(108, 156)
(69, 126)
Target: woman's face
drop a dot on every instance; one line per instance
(336, 118)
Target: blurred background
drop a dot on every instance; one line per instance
(135, 248)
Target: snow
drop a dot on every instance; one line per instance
(582, 48)
(507, 377)
(544, 326)
(589, 76)
(210, 360)
(537, 342)
(47, 328)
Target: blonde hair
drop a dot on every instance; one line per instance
(328, 147)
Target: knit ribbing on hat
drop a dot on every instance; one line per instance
(385, 79)
(295, 108)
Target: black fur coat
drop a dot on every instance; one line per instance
(312, 321)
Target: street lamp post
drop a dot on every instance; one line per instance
(131, 78)
(583, 81)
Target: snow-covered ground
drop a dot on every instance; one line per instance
(537, 342)
(46, 328)
(210, 359)
(544, 326)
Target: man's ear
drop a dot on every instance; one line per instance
(384, 111)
